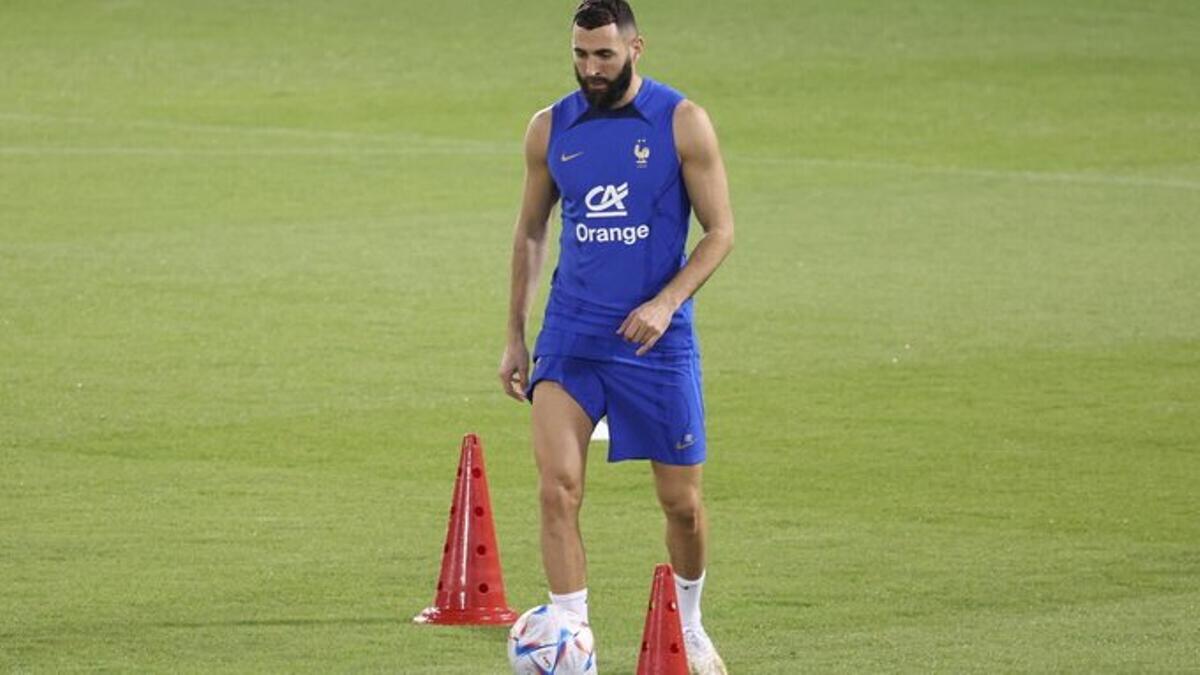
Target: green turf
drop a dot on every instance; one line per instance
(253, 279)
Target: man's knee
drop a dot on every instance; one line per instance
(684, 508)
(561, 496)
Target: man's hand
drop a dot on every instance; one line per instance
(646, 324)
(514, 370)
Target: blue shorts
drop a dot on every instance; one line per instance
(655, 408)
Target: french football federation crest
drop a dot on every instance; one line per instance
(641, 152)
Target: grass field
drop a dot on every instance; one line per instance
(253, 281)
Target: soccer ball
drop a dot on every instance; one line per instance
(549, 639)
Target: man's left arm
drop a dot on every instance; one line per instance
(704, 176)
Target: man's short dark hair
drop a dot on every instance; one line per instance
(592, 14)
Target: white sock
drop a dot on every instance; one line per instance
(572, 602)
(688, 593)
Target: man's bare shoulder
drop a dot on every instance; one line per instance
(540, 123)
(693, 129)
(537, 135)
(688, 110)
(543, 116)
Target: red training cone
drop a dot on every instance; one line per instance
(663, 652)
(470, 589)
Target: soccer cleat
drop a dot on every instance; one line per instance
(702, 657)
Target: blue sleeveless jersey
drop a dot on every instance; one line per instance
(625, 213)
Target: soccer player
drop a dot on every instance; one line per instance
(629, 159)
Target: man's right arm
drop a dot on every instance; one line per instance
(528, 253)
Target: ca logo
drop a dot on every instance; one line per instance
(611, 201)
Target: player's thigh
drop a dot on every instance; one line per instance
(561, 431)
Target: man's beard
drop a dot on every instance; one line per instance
(615, 91)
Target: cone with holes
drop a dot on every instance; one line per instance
(662, 638)
(470, 588)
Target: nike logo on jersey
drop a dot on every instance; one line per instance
(566, 158)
